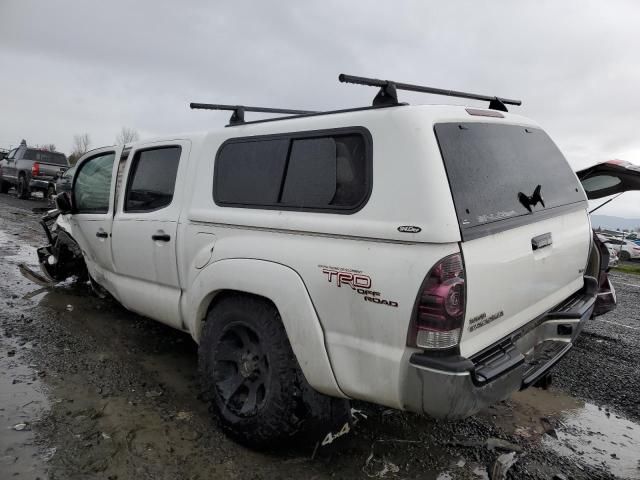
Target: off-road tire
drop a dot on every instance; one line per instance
(22, 188)
(290, 409)
(624, 256)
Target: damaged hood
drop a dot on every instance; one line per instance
(608, 178)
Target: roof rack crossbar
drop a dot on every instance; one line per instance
(237, 117)
(387, 94)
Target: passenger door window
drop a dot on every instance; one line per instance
(92, 188)
(152, 179)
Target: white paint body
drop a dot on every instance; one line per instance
(346, 347)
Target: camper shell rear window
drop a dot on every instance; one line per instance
(490, 164)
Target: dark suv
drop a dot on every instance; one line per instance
(31, 169)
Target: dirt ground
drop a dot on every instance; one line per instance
(89, 390)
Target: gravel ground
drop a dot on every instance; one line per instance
(605, 362)
(104, 393)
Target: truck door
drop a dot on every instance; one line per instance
(93, 210)
(143, 244)
(9, 166)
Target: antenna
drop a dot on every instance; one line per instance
(237, 117)
(387, 95)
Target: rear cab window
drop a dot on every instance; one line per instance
(489, 165)
(45, 156)
(328, 171)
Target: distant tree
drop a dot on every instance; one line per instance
(127, 135)
(81, 144)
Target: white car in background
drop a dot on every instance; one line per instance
(625, 249)
(613, 253)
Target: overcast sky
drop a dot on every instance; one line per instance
(95, 66)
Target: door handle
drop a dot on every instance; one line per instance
(102, 234)
(161, 237)
(541, 241)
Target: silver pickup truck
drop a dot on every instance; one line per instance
(31, 169)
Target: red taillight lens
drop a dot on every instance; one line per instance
(35, 169)
(439, 315)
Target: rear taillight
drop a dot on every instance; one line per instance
(35, 169)
(439, 313)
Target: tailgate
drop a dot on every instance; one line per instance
(523, 221)
(50, 171)
(510, 281)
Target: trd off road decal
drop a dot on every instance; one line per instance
(358, 281)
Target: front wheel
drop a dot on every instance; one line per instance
(624, 256)
(4, 186)
(253, 381)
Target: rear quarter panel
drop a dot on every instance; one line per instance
(365, 340)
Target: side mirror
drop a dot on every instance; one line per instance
(63, 202)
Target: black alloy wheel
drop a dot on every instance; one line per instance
(241, 370)
(253, 382)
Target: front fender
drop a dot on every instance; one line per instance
(284, 287)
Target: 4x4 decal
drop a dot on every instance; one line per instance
(358, 281)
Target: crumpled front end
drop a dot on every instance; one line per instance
(62, 258)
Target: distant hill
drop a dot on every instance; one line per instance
(607, 221)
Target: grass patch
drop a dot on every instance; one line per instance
(628, 268)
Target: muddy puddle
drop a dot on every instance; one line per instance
(22, 403)
(579, 431)
(599, 438)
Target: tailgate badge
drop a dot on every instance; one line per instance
(533, 200)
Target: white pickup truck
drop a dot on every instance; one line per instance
(427, 258)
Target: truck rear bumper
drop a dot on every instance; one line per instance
(39, 184)
(456, 387)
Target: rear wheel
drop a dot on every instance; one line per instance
(51, 193)
(624, 256)
(253, 381)
(23, 188)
